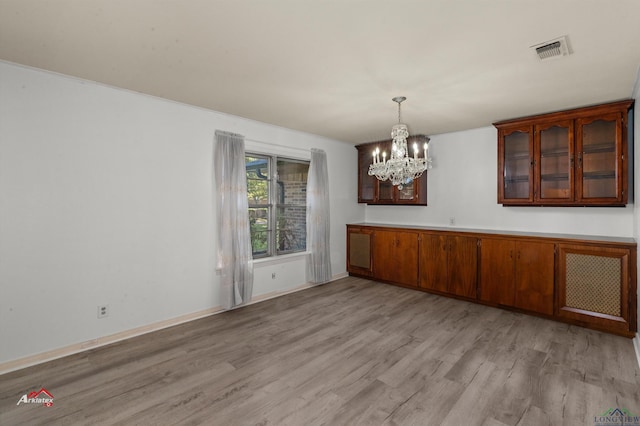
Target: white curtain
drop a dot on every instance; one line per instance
(235, 260)
(319, 258)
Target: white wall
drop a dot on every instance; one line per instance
(107, 197)
(463, 185)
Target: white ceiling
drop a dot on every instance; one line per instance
(331, 67)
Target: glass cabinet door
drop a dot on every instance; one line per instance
(554, 154)
(599, 158)
(517, 159)
(407, 193)
(366, 183)
(385, 191)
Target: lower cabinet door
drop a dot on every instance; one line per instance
(517, 273)
(396, 257)
(433, 262)
(497, 271)
(534, 276)
(462, 266)
(449, 264)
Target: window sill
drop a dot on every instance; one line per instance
(274, 260)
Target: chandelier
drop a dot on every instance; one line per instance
(401, 169)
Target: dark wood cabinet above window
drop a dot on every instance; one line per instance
(373, 191)
(569, 158)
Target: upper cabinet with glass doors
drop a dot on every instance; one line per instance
(568, 158)
(373, 191)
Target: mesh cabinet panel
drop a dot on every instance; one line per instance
(360, 250)
(593, 283)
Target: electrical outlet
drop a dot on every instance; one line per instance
(452, 221)
(273, 275)
(103, 311)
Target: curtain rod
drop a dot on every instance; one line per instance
(280, 145)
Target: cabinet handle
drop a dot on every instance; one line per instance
(511, 254)
(580, 160)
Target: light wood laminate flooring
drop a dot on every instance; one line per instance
(352, 352)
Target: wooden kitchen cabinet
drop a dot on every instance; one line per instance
(449, 264)
(577, 157)
(373, 191)
(517, 273)
(570, 278)
(396, 256)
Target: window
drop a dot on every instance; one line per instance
(277, 191)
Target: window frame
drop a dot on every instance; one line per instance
(273, 205)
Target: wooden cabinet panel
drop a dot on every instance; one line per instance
(449, 264)
(383, 253)
(433, 262)
(396, 256)
(579, 157)
(463, 266)
(534, 276)
(497, 271)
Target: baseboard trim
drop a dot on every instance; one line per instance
(20, 363)
(40, 358)
(636, 345)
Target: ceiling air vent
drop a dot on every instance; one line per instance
(552, 49)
